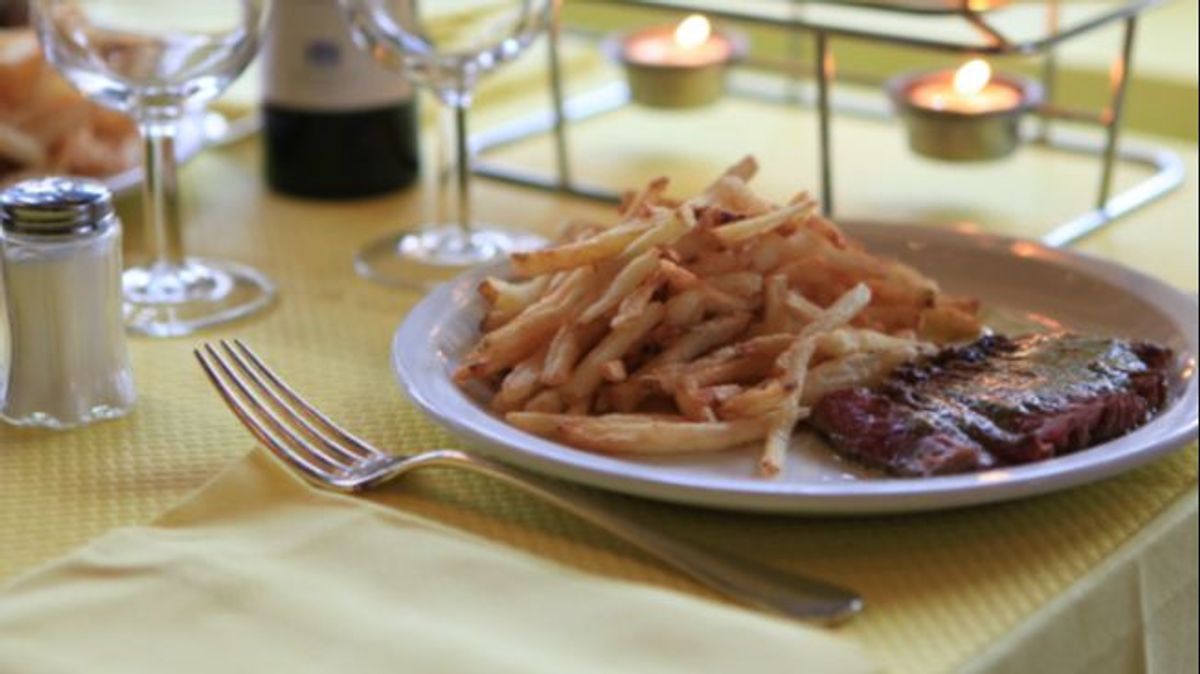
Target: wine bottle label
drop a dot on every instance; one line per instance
(312, 63)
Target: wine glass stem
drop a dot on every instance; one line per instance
(160, 197)
(462, 166)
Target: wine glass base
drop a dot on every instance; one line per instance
(172, 301)
(425, 258)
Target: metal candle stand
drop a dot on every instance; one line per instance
(1168, 168)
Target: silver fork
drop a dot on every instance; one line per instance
(330, 457)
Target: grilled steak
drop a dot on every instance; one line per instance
(997, 401)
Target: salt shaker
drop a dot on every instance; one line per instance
(60, 256)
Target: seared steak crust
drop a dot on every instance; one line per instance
(998, 401)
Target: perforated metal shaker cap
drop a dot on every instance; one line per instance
(56, 206)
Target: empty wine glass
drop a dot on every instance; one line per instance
(159, 61)
(445, 45)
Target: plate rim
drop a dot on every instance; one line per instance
(1169, 430)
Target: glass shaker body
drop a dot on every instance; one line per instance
(68, 363)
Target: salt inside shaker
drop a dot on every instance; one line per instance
(60, 257)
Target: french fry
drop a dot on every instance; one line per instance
(578, 229)
(794, 363)
(603, 245)
(701, 338)
(646, 196)
(685, 308)
(740, 283)
(20, 148)
(763, 346)
(506, 346)
(614, 371)
(731, 193)
(856, 369)
(630, 277)
(692, 402)
(783, 420)
(588, 374)
(801, 307)
(668, 227)
(547, 400)
(510, 296)
(580, 406)
(847, 341)
(766, 255)
(745, 170)
(744, 369)
(945, 324)
(519, 384)
(566, 348)
(635, 303)
(712, 262)
(751, 227)
(626, 433)
(775, 316)
(759, 401)
(682, 279)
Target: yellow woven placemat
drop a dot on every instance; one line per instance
(940, 586)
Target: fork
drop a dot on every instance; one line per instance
(302, 436)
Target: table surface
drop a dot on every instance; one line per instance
(943, 588)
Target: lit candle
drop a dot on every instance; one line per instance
(970, 90)
(690, 44)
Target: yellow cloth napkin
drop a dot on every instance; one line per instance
(259, 573)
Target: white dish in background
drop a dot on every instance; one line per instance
(1015, 279)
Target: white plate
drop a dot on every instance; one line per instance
(1017, 279)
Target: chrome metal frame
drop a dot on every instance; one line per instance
(1168, 167)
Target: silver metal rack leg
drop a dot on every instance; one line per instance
(1108, 207)
(1115, 111)
(823, 68)
(1050, 68)
(562, 156)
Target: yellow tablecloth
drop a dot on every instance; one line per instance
(1101, 576)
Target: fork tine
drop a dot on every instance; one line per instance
(281, 423)
(268, 438)
(299, 412)
(369, 452)
(272, 418)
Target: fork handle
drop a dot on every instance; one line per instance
(741, 579)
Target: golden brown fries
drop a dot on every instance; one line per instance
(47, 127)
(700, 325)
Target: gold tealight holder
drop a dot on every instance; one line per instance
(679, 66)
(963, 115)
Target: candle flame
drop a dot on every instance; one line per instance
(830, 65)
(972, 77)
(692, 31)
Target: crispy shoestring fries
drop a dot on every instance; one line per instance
(47, 128)
(700, 325)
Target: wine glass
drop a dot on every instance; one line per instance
(160, 61)
(446, 46)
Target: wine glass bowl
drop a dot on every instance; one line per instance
(159, 61)
(115, 60)
(445, 46)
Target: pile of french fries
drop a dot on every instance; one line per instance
(47, 127)
(699, 325)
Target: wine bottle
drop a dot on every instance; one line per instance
(336, 124)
